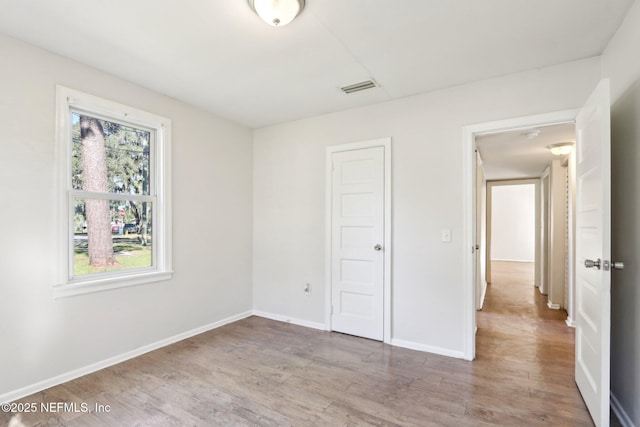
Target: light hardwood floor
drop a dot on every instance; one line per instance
(267, 373)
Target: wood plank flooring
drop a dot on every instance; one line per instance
(267, 373)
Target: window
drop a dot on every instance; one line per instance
(114, 213)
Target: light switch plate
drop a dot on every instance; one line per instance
(445, 235)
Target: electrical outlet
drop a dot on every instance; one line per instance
(307, 289)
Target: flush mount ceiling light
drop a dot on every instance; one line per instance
(277, 12)
(561, 148)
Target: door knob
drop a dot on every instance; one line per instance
(614, 265)
(377, 247)
(617, 265)
(589, 263)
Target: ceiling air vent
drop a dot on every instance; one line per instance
(357, 87)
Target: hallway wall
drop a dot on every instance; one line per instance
(513, 223)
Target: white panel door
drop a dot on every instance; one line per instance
(357, 246)
(593, 251)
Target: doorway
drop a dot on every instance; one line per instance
(520, 126)
(591, 241)
(529, 200)
(513, 222)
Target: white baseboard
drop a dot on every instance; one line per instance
(570, 322)
(427, 348)
(288, 319)
(553, 306)
(395, 342)
(622, 415)
(76, 373)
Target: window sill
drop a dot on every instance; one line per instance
(93, 285)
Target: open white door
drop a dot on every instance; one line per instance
(593, 253)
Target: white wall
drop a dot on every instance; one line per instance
(513, 214)
(556, 251)
(621, 63)
(212, 203)
(426, 131)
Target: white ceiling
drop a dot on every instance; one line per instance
(220, 56)
(517, 155)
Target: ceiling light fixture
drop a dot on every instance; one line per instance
(277, 12)
(561, 148)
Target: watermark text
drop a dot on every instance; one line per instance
(54, 407)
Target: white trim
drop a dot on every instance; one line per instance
(288, 319)
(537, 241)
(427, 348)
(66, 284)
(488, 223)
(571, 299)
(553, 306)
(76, 373)
(484, 294)
(382, 142)
(108, 283)
(468, 242)
(570, 322)
(622, 415)
(538, 251)
(468, 207)
(511, 182)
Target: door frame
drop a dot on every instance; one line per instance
(537, 241)
(545, 187)
(469, 205)
(387, 244)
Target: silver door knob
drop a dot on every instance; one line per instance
(377, 247)
(617, 265)
(589, 263)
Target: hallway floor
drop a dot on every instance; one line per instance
(529, 346)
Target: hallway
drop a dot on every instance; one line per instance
(529, 346)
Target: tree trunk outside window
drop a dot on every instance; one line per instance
(94, 165)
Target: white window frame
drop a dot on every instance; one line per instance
(69, 101)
